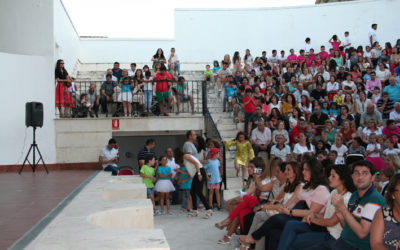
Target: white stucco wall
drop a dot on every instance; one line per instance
(27, 64)
(202, 35)
(67, 43)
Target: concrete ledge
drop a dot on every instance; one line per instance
(137, 217)
(123, 191)
(89, 222)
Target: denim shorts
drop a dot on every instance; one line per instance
(186, 192)
(150, 192)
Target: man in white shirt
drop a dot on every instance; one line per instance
(274, 58)
(321, 71)
(372, 34)
(132, 70)
(395, 114)
(260, 138)
(114, 78)
(299, 92)
(347, 40)
(109, 157)
(173, 58)
(281, 150)
(282, 57)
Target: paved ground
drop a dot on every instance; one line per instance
(192, 233)
(25, 199)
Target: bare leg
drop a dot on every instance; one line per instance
(210, 197)
(162, 202)
(178, 101)
(191, 102)
(189, 202)
(66, 110)
(167, 201)
(161, 105)
(152, 202)
(217, 195)
(125, 108)
(169, 100)
(129, 108)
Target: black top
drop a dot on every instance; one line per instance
(61, 74)
(317, 95)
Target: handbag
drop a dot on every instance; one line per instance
(192, 168)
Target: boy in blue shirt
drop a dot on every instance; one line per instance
(213, 177)
(186, 184)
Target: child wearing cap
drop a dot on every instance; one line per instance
(213, 177)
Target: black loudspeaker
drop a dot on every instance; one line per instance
(34, 114)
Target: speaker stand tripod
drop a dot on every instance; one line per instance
(33, 148)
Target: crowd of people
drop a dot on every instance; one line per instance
(329, 125)
(136, 87)
(187, 169)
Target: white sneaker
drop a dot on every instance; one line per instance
(156, 212)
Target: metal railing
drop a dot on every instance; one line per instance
(211, 131)
(69, 102)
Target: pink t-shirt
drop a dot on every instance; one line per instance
(323, 55)
(319, 195)
(389, 133)
(335, 45)
(370, 85)
(312, 56)
(292, 57)
(300, 58)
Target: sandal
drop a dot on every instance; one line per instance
(209, 213)
(194, 213)
(221, 225)
(242, 243)
(226, 240)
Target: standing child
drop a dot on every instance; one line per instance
(213, 177)
(164, 185)
(230, 92)
(249, 103)
(244, 153)
(148, 175)
(373, 153)
(186, 184)
(148, 91)
(126, 95)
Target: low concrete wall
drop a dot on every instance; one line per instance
(80, 140)
(89, 222)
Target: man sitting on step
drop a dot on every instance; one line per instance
(261, 138)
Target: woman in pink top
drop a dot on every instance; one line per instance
(335, 42)
(308, 199)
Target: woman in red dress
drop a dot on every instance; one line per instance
(63, 96)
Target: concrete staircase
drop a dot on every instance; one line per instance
(228, 130)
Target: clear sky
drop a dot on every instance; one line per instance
(142, 18)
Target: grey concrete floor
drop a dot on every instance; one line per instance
(194, 233)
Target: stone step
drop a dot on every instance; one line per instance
(222, 127)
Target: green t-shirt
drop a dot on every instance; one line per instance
(182, 89)
(362, 208)
(208, 72)
(146, 170)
